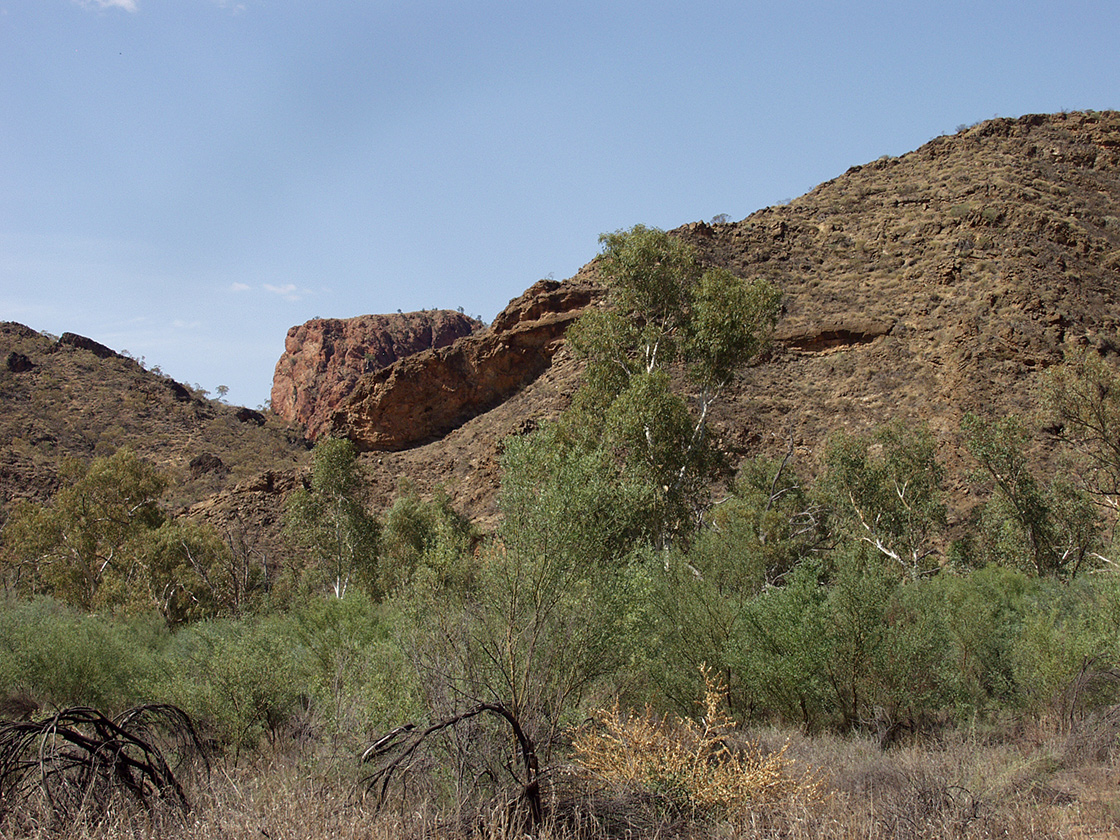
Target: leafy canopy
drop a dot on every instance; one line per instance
(79, 546)
(666, 312)
(330, 518)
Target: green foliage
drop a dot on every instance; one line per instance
(730, 324)
(665, 310)
(63, 657)
(553, 603)
(330, 518)
(856, 630)
(858, 649)
(425, 539)
(1068, 630)
(79, 546)
(360, 683)
(575, 504)
(187, 572)
(240, 680)
(781, 650)
(984, 612)
(1050, 531)
(1021, 522)
(885, 490)
(914, 674)
(751, 540)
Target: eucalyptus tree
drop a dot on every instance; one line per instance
(667, 316)
(884, 489)
(330, 519)
(80, 546)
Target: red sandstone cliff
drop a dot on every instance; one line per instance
(428, 394)
(325, 358)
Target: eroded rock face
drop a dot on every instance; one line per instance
(424, 396)
(326, 357)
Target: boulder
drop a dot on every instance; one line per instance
(206, 462)
(18, 363)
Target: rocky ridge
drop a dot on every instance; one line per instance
(423, 397)
(921, 287)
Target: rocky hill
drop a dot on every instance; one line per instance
(73, 398)
(921, 287)
(940, 282)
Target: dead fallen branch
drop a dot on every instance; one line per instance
(393, 752)
(83, 764)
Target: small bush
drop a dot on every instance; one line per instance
(695, 767)
(241, 680)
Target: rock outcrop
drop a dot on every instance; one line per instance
(325, 358)
(69, 339)
(424, 396)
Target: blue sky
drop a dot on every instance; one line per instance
(186, 179)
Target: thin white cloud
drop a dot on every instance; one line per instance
(127, 5)
(239, 287)
(289, 291)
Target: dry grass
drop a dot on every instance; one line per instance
(1020, 783)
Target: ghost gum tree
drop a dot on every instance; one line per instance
(666, 312)
(330, 518)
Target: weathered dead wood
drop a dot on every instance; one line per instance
(83, 762)
(395, 750)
